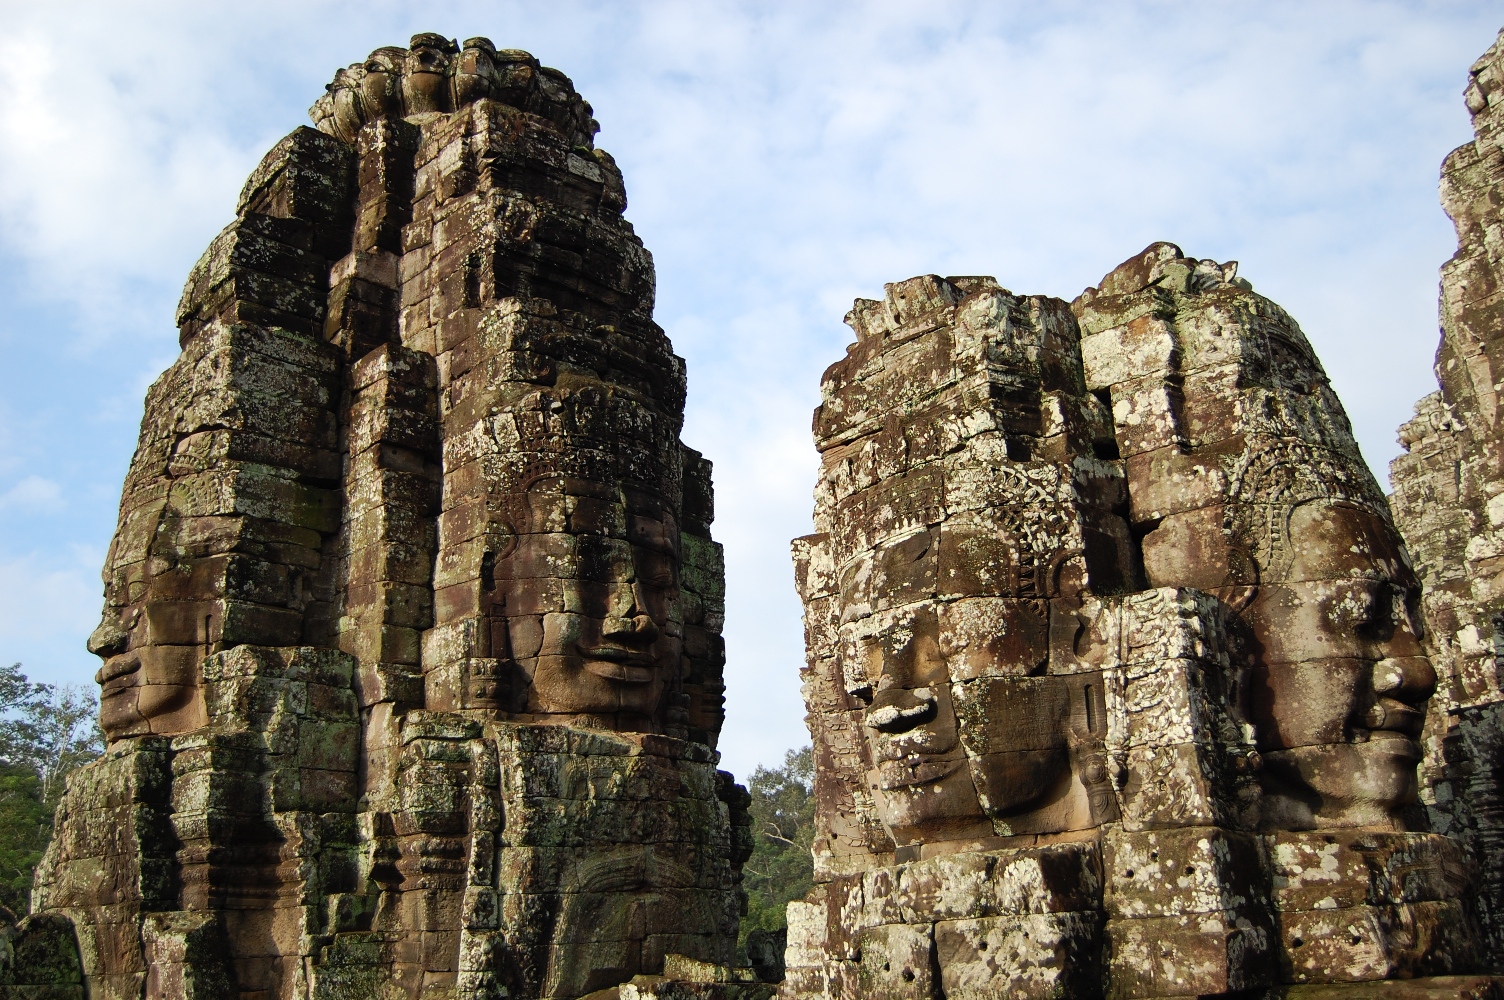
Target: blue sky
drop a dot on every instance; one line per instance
(781, 159)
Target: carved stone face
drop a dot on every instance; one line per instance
(1340, 679)
(615, 644)
(924, 789)
(969, 738)
(146, 686)
(425, 82)
(380, 87)
(474, 71)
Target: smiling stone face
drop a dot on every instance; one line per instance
(1340, 681)
(891, 661)
(409, 528)
(1244, 481)
(145, 686)
(1127, 588)
(617, 642)
(961, 532)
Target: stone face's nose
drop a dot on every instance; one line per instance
(636, 628)
(1404, 678)
(897, 710)
(109, 638)
(1402, 684)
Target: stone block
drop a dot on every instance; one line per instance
(1189, 955)
(1349, 868)
(1052, 955)
(897, 961)
(1186, 784)
(1364, 943)
(1428, 988)
(1178, 871)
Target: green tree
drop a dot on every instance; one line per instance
(45, 732)
(25, 826)
(781, 868)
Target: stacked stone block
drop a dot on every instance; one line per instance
(1446, 489)
(113, 858)
(1112, 583)
(410, 506)
(1182, 869)
(1017, 922)
(228, 503)
(585, 835)
(1364, 905)
(391, 485)
(263, 807)
(1236, 430)
(205, 858)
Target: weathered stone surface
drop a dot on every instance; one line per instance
(412, 631)
(1114, 673)
(1116, 669)
(1446, 501)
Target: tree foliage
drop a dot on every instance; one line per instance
(781, 868)
(45, 732)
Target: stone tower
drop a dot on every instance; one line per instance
(1115, 673)
(1447, 502)
(411, 643)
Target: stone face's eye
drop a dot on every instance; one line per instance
(655, 569)
(1385, 610)
(1354, 606)
(603, 560)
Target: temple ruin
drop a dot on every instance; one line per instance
(411, 642)
(1125, 678)
(1121, 679)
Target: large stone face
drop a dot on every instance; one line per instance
(1115, 673)
(411, 641)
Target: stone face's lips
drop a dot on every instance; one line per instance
(1397, 744)
(627, 666)
(898, 718)
(618, 654)
(1391, 716)
(914, 771)
(115, 668)
(117, 686)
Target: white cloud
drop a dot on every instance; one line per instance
(33, 493)
(48, 605)
(107, 170)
